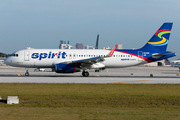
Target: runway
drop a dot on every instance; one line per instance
(132, 75)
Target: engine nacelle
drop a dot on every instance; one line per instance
(66, 68)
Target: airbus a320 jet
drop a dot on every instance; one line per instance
(76, 60)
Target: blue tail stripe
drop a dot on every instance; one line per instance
(159, 40)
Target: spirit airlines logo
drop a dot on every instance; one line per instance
(49, 55)
(160, 33)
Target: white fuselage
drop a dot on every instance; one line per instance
(47, 58)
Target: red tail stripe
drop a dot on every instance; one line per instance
(162, 30)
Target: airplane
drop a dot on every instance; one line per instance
(75, 60)
(175, 63)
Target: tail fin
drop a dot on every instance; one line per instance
(160, 39)
(97, 41)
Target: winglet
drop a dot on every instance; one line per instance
(112, 51)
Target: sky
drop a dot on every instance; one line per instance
(43, 23)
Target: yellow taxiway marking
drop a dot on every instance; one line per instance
(178, 74)
(18, 74)
(130, 81)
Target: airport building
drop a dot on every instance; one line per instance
(153, 64)
(65, 45)
(79, 46)
(89, 47)
(106, 47)
(119, 46)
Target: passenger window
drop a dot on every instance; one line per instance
(70, 56)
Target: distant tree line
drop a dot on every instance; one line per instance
(4, 55)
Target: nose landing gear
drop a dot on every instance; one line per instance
(27, 73)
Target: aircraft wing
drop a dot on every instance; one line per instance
(91, 61)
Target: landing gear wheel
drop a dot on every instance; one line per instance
(85, 73)
(27, 73)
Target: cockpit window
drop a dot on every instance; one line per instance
(15, 55)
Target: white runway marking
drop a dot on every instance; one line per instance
(131, 81)
(103, 80)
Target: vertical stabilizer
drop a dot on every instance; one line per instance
(159, 40)
(97, 41)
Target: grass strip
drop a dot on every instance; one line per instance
(93, 101)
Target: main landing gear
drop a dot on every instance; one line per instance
(27, 73)
(85, 73)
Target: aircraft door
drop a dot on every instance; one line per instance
(26, 55)
(140, 55)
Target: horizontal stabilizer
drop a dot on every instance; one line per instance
(157, 55)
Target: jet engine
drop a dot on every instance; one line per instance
(66, 68)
